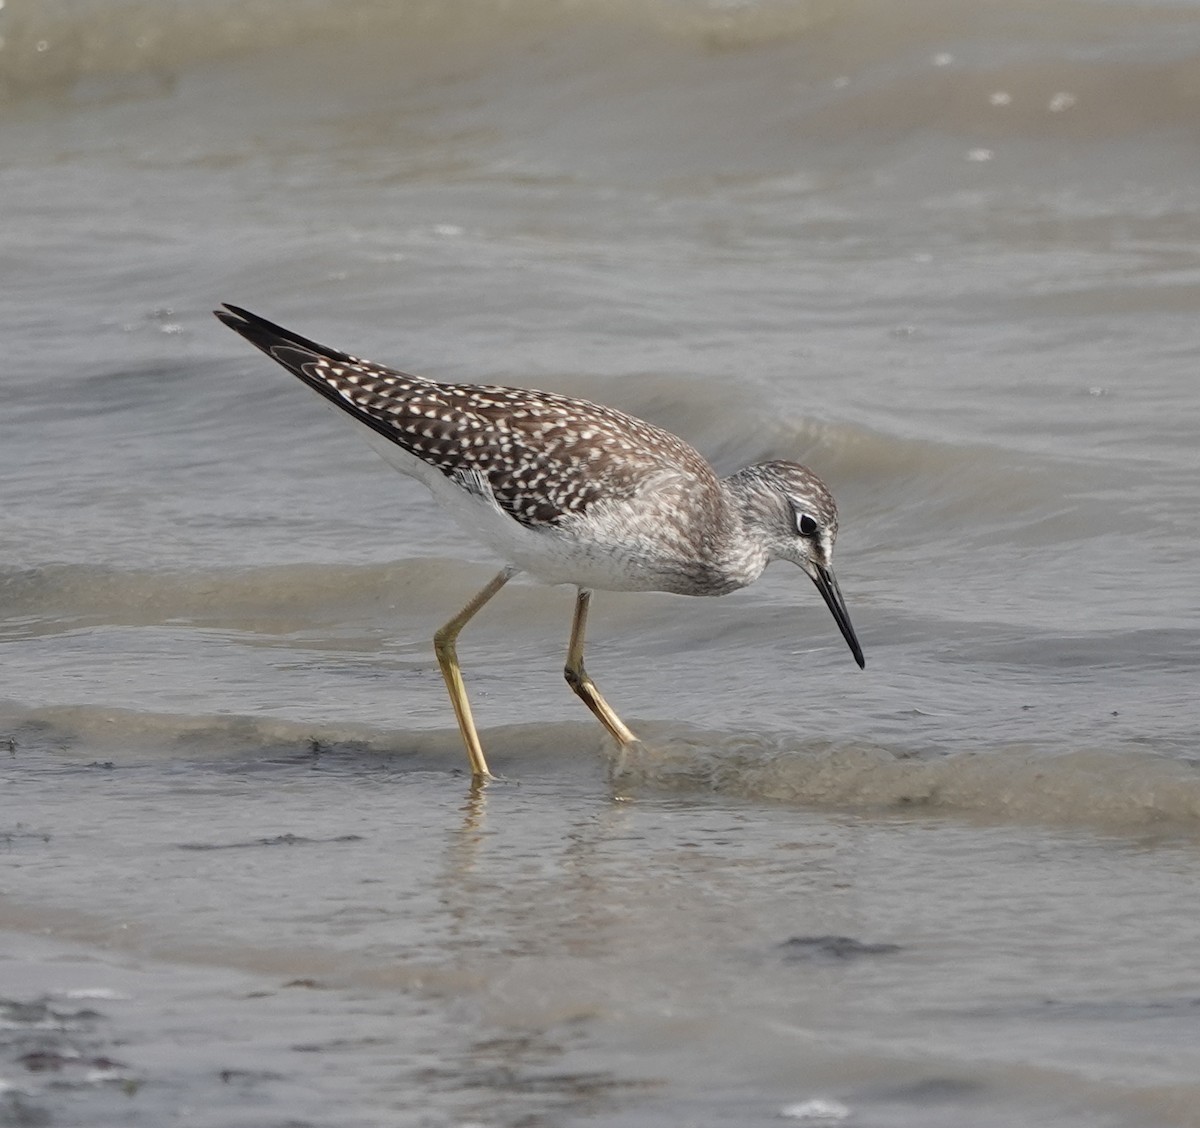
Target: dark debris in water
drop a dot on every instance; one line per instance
(40, 1013)
(337, 1045)
(1124, 1010)
(928, 1090)
(277, 840)
(514, 1075)
(58, 1050)
(248, 1076)
(503, 1078)
(21, 833)
(52, 1061)
(801, 948)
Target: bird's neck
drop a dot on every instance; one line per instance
(742, 543)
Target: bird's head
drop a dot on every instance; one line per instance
(798, 518)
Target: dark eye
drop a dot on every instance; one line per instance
(806, 524)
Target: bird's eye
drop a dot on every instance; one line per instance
(806, 525)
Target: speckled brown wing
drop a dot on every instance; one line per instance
(545, 457)
(548, 457)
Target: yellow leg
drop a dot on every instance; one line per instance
(447, 656)
(584, 687)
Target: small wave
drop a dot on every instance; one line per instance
(1091, 787)
(880, 67)
(1114, 789)
(69, 596)
(55, 44)
(112, 735)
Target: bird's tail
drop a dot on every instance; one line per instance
(349, 382)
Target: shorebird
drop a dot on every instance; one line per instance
(571, 492)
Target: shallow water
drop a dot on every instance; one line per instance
(945, 254)
(370, 944)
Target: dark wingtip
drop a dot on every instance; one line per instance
(230, 315)
(266, 335)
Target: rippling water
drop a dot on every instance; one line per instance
(944, 253)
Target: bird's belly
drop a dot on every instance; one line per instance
(554, 556)
(557, 559)
(562, 555)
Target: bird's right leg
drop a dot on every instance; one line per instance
(578, 679)
(447, 656)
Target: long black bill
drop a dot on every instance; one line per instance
(827, 585)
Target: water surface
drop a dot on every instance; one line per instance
(944, 253)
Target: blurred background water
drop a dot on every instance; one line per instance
(946, 253)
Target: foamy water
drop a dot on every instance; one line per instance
(945, 254)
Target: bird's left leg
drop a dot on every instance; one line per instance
(447, 656)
